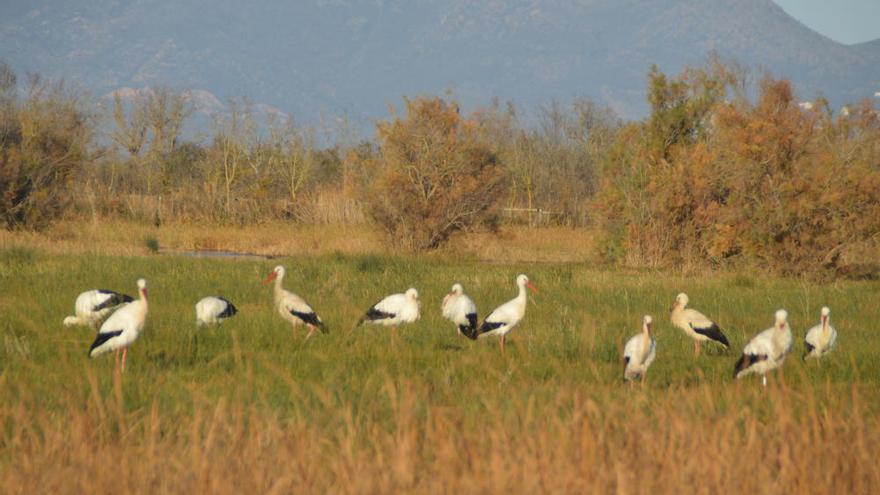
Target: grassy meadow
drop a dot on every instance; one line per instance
(250, 407)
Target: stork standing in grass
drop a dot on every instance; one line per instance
(695, 324)
(460, 309)
(767, 350)
(639, 352)
(821, 338)
(92, 306)
(122, 328)
(214, 309)
(505, 317)
(393, 311)
(294, 309)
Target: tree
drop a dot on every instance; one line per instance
(434, 175)
(45, 139)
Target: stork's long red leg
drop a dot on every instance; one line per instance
(124, 353)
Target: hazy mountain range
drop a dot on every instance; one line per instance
(320, 59)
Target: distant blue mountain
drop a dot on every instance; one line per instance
(323, 59)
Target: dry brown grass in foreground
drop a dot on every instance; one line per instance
(700, 440)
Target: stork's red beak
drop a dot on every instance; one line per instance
(530, 286)
(270, 278)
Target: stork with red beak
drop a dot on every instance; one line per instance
(122, 328)
(767, 350)
(695, 324)
(294, 309)
(505, 317)
(639, 352)
(821, 338)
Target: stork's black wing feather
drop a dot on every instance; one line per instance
(103, 337)
(230, 310)
(472, 320)
(488, 326)
(115, 299)
(311, 319)
(747, 360)
(713, 332)
(373, 314)
(809, 349)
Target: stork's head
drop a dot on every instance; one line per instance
(523, 281)
(412, 294)
(142, 286)
(826, 311)
(278, 271)
(781, 319)
(457, 289)
(681, 301)
(648, 324)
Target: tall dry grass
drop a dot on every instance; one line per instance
(699, 440)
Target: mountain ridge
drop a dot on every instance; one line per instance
(316, 59)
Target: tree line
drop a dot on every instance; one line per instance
(711, 177)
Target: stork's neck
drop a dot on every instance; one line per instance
(278, 289)
(143, 296)
(522, 297)
(826, 325)
(646, 343)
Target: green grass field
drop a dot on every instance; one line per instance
(250, 407)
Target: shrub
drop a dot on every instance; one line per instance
(767, 183)
(434, 174)
(45, 139)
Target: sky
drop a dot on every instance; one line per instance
(844, 21)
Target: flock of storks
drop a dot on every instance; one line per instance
(765, 352)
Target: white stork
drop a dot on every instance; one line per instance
(122, 328)
(767, 350)
(695, 324)
(821, 338)
(214, 309)
(505, 317)
(639, 352)
(294, 309)
(393, 311)
(92, 306)
(460, 309)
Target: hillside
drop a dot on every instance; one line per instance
(320, 59)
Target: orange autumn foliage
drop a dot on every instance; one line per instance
(766, 183)
(434, 174)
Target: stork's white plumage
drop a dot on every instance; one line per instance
(394, 310)
(505, 317)
(214, 309)
(92, 306)
(123, 327)
(639, 352)
(294, 309)
(695, 324)
(821, 338)
(460, 309)
(767, 350)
